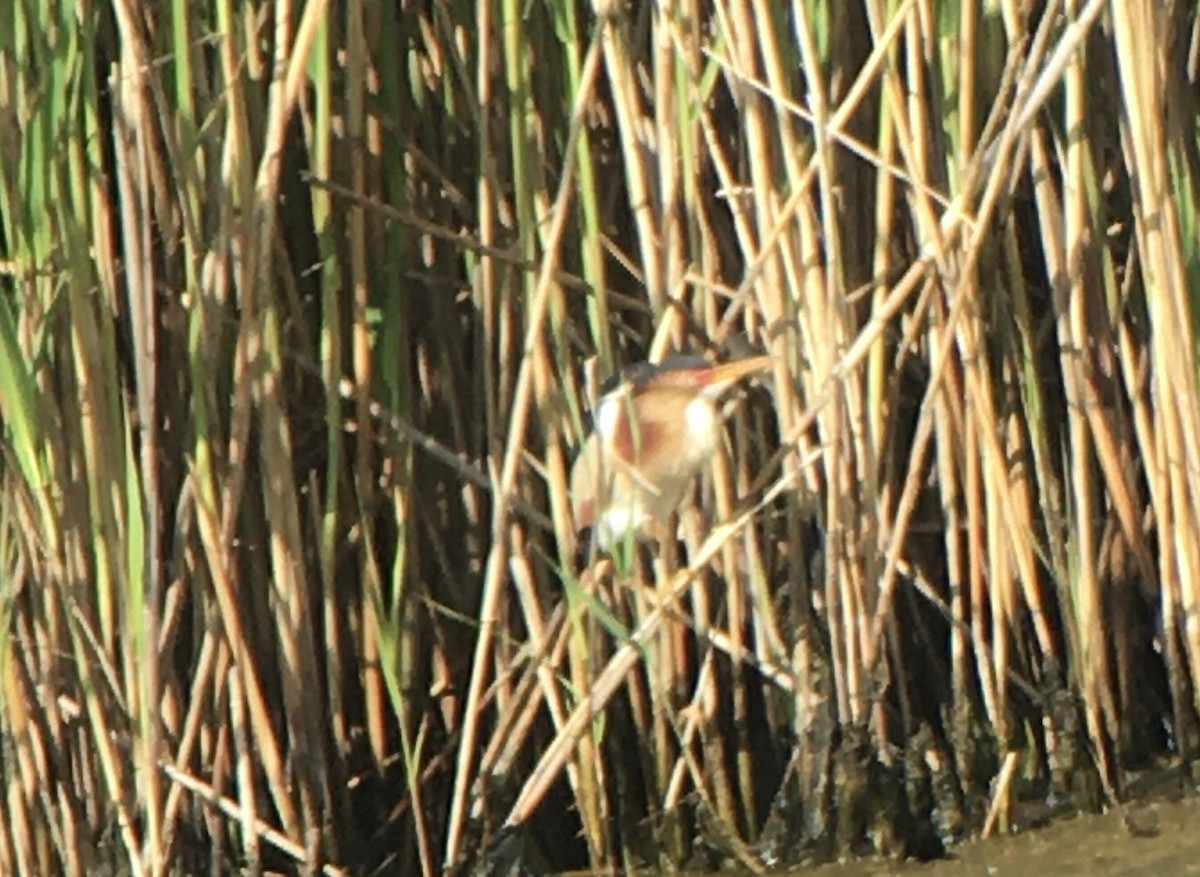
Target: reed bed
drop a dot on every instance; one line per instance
(302, 305)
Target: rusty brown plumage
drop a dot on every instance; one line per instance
(655, 430)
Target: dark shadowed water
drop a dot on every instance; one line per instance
(1156, 838)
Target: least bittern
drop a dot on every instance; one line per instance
(654, 431)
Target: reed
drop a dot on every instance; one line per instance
(302, 309)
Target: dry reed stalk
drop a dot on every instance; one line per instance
(354, 313)
(586, 772)
(1085, 373)
(230, 808)
(1144, 82)
(247, 805)
(213, 663)
(623, 661)
(737, 566)
(295, 632)
(507, 475)
(133, 158)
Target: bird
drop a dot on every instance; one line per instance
(655, 427)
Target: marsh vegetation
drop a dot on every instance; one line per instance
(295, 304)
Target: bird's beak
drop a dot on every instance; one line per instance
(722, 376)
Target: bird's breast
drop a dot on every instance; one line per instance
(702, 422)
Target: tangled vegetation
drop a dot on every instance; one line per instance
(299, 308)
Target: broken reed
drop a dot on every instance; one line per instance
(294, 300)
